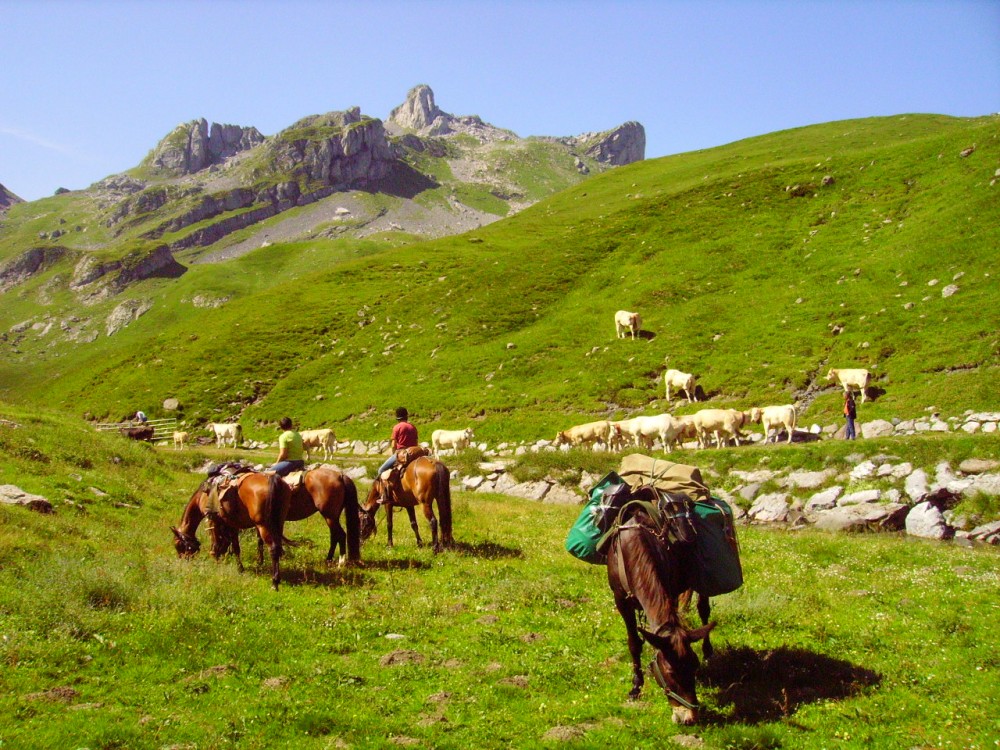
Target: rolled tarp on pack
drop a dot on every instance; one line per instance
(638, 469)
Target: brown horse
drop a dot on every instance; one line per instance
(254, 500)
(651, 564)
(424, 480)
(329, 492)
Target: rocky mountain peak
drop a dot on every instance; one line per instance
(7, 199)
(418, 111)
(193, 146)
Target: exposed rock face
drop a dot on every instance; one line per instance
(418, 111)
(157, 262)
(194, 145)
(7, 199)
(623, 145)
(27, 264)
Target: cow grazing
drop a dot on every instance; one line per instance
(723, 424)
(590, 433)
(776, 417)
(682, 381)
(457, 440)
(230, 432)
(143, 432)
(851, 379)
(644, 431)
(319, 440)
(627, 322)
(180, 438)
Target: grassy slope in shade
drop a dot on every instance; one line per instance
(109, 641)
(738, 278)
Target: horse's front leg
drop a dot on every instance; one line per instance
(634, 647)
(338, 538)
(412, 513)
(236, 550)
(704, 611)
(389, 512)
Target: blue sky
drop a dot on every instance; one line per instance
(88, 87)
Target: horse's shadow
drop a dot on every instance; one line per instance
(765, 686)
(329, 578)
(487, 550)
(402, 563)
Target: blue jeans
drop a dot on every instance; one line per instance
(389, 463)
(284, 468)
(849, 433)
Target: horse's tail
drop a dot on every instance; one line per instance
(444, 502)
(276, 508)
(353, 518)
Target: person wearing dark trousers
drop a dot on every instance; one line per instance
(850, 414)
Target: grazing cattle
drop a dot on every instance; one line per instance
(457, 440)
(644, 431)
(627, 322)
(319, 440)
(180, 438)
(230, 432)
(584, 434)
(688, 429)
(145, 432)
(682, 381)
(776, 417)
(851, 379)
(724, 424)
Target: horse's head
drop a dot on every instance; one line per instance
(368, 510)
(185, 544)
(674, 666)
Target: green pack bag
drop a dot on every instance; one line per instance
(590, 525)
(716, 548)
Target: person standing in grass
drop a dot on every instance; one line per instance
(290, 451)
(404, 435)
(850, 413)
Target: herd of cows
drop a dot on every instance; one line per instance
(707, 426)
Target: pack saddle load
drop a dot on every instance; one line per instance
(716, 548)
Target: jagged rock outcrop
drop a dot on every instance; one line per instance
(7, 199)
(419, 114)
(156, 262)
(623, 145)
(27, 264)
(192, 146)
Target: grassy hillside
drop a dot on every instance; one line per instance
(748, 267)
(109, 641)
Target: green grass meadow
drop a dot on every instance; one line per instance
(109, 641)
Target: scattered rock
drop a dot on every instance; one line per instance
(12, 495)
(926, 520)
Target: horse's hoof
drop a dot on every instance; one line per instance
(634, 695)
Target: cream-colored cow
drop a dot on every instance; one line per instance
(319, 440)
(683, 381)
(851, 379)
(627, 322)
(776, 417)
(180, 438)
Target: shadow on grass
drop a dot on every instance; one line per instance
(765, 686)
(327, 577)
(486, 550)
(403, 563)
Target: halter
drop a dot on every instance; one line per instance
(662, 682)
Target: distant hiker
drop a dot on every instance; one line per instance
(404, 435)
(290, 451)
(850, 413)
(140, 417)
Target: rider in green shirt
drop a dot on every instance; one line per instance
(290, 452)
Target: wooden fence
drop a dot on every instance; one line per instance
(163, 429)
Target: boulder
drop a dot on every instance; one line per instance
(171, 404)
(769, 508)
(823, 500)
(876, 428)
(807, 480)
(863, 470)
(989, 533)
(12, 495)
(857, 498)
(916, 484)
(926, 520)
(978, 465)
(559, 495)
(863, 517)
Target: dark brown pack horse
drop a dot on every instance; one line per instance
(651, 566)
(256, 500)
(424, 481)
(330, 493)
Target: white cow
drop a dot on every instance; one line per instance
(851, 379)
(627, 322)
(457, 440)
(724, 424)
(683, 381)
(584, 434)
(179, 439)
(229, 432)
(776, 417)
(319, 440)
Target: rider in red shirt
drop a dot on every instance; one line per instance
(404, 435)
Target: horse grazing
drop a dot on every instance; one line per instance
(326, 491)
(424, 480)
(651, 566)
(253, 500)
